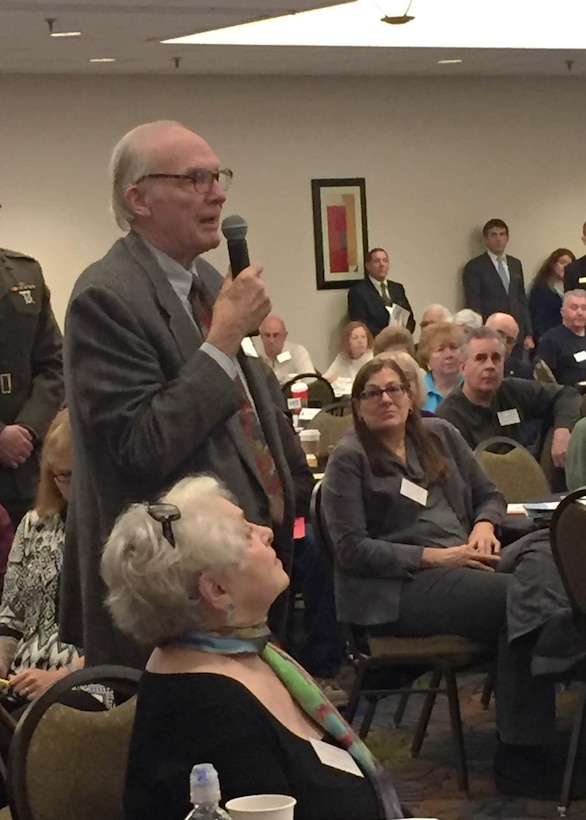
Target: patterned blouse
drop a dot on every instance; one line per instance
(28, 611)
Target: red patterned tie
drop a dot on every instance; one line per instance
(253, 432)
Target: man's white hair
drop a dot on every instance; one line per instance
(131, 159)
(576, 292)
(468, 317)
(441, 309)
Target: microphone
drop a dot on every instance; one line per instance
(234, 229)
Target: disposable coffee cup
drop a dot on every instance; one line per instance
(310, 441)
(261, 807)
(299, 390)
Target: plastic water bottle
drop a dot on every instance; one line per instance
(205, 794)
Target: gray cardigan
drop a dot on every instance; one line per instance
(371, 523)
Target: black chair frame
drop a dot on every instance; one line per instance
(121, 679)
(315, 377)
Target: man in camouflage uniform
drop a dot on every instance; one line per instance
(31, 377)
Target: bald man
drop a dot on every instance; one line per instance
(156, 382)
(507, 327)
(286, 359)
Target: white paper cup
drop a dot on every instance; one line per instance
(261, 807)
(310, 441)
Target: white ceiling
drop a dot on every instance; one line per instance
(131, 30)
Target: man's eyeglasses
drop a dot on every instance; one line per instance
(201, 179)
(64, 477)
(393, 391)
(164, 514)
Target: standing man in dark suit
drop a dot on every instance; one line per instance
(157, 385)
(575, 273)
(31, 377)
(378, 301)
(493, 283)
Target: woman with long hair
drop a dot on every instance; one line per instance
(413, 521)
(547, 292)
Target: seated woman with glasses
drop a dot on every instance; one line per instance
(193, 577)
(412, 519)
(355, 350)
(31, 654)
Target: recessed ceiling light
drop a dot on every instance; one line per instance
(448, 62)
(103, 60)
(66, 34)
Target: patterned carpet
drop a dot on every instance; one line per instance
(428, 785)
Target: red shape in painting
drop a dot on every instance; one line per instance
(338, 239)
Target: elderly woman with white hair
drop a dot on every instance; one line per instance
(191, 575)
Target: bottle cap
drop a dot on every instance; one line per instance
(204, 784)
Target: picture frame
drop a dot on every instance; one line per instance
(340, 231)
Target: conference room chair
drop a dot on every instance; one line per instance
(319, 390)
(567, 545)
(386, 666)
(512, 468)
(66, 763)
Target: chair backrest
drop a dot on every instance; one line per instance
(320, 392)
(556, 476)
(320, 531)
(67, 763)
(568, 545)
(542, 372)
(516, 473)
(331, 429)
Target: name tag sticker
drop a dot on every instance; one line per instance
(414, 492)
(336, 758)
(582, 280)
(248, 347)
(580, 356)
(308, 413)
(506, 417)
(285, 356)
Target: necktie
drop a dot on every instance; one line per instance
(384, 289)
(251, 426)
(502, 272)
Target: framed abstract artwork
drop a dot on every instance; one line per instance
(339, 230)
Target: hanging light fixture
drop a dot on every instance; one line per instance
(399, 19)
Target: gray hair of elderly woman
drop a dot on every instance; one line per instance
(131, 159)
(412, 371)
(467, 317)
(153, 586)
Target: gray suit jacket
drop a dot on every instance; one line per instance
(484, 291)
(147, 408)
(371, 523)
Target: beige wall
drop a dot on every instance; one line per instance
(440, 156)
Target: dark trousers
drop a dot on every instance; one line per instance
(472, 603)
(323, 650)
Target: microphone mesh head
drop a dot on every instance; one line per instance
(234, 228)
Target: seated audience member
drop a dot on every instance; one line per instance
(434, 314)
(377, 301)
(547, 290)
(415, 376)
(468, 319)
(507, 327)
(31, 654)
(486, 404)
(394, 338)
(439, 352)
(355, 350)
(286, 359)
(412, 518)
(193, 576)
(575, 275)
(563, 348)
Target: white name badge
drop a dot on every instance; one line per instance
(582, 280)
(414, 492)
(506, 417)
(580, 356)
(248, 347)
(285, 356)
(335, 757)
(308, 413)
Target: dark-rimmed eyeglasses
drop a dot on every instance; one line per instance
(393, 391)
(164, 514)
(201, 178)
